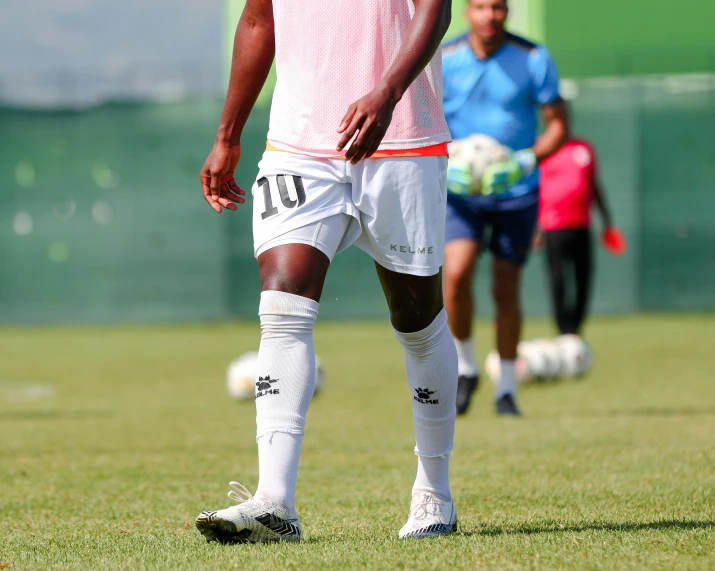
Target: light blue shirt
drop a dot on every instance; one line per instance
(499, 96)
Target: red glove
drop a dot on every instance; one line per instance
(613, 241)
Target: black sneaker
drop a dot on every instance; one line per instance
(506, 406)
(465, 387)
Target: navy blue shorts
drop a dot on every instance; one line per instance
(509, 231)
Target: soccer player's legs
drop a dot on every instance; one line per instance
(512, 233)
(292, 270)
(302, 235)
(402, 204)
(292, 277)
(464, 234)
(293, 258)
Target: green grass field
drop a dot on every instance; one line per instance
(113, 440)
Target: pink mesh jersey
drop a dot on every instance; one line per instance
(329, 53)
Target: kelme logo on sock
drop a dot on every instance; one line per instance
(264, 386)
(424, 396)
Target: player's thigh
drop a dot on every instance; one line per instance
(402, 205)
(513, 233)
(555, 247)
(460, 264)
(301, 218)
(583, 254)
(297, 261)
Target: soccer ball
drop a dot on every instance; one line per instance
(543, 357)
(492, 366)
(471, 157)
(576, 357)
(242, 375)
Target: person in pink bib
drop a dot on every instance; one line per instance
(356, 154)
(568, 188)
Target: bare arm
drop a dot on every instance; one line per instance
(555, 131)
(419, 44)
(371, 115)
(600, 199)
(253, 52)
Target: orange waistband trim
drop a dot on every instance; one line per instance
(438, 150)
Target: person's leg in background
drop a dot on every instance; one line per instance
(583, 269)
(464, 229)
(510, 243)
(555, 242)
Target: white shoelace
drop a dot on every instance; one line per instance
(425, 506)
(239, 493)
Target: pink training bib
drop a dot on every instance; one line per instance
(330, 53)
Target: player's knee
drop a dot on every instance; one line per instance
(505, 292)
(457, 283)
(295, 269)
(284, 314)
(296, 283)
(414, 311)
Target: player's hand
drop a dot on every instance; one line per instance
(217, 182)
(369, 117)
(613, 240)
(499, 177)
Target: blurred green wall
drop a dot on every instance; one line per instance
(616, 37)
(102, 219)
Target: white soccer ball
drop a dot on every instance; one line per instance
(476, 153)
(576, 357)
(543, 356)
(242, 375)
(319, 376)
(492, 367)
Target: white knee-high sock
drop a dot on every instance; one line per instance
(466, 357)
(431, 365)
(284, 389)
(507, 379)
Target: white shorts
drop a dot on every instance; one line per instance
(391, 208)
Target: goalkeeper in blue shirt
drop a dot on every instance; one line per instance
(495, 84)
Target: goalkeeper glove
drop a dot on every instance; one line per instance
(500, 176)
(459, 178)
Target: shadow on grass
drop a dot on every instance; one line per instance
(593, 526)
(11, 416)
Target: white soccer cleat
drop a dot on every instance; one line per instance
(429, 517)
(253, 520)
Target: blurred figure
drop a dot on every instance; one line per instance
(495, 83)
(568, 187)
